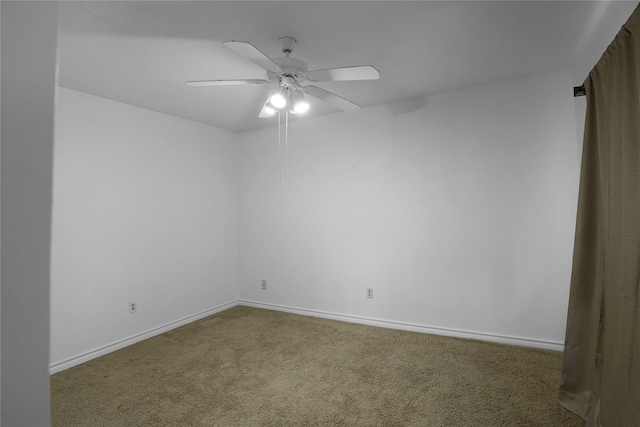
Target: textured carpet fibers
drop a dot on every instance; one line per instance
(253, 367)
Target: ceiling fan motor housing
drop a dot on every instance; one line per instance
(292, 67)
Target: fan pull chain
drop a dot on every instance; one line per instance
(280, 147)
(281, 162)
(286, 144)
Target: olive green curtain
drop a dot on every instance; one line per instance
(601, 372)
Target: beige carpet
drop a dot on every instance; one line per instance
(252, 367)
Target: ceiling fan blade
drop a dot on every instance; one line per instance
(254, 55)
(331, 98)
(224, 82)
(364, 72)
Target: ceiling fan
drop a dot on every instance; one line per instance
(287, 75)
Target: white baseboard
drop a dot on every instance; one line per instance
(519, 341)
(93, 354)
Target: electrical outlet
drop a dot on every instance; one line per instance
(264, 284)
(370, 293)
(133, 307)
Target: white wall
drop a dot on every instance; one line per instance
(29, 31)
(145, 209)
(457, 209)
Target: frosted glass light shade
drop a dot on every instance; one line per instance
(278, 100)
(268, 111)
(300, 105)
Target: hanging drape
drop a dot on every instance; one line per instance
(601, 372)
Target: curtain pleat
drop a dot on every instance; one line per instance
(601, 371)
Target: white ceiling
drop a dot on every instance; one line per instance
(140, 53)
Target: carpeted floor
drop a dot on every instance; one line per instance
(252, 367)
